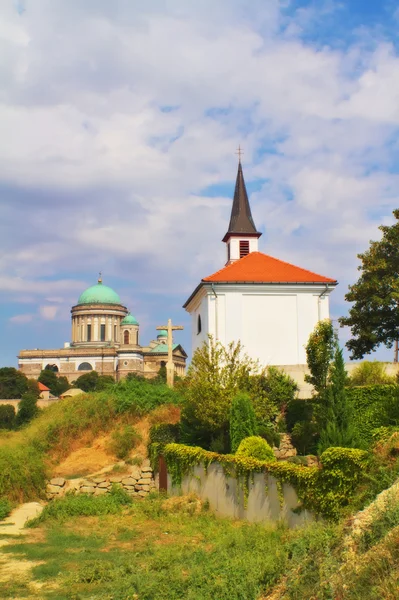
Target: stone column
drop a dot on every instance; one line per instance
(96, 334)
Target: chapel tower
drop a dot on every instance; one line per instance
(241, 237)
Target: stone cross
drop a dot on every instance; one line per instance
(170, 367)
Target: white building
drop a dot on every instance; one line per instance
(269, 305)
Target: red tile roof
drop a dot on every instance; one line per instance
(42, 387)
(257, 267)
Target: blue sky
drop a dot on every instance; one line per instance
(120, 123)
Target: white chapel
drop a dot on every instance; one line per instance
(271, 306)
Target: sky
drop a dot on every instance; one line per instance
(119, 127)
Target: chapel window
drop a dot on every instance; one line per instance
(89, 333)
(126, 337)
(102, 332)
(244, 248)
(199, 325)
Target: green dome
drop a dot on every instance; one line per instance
(129, 320)
(99, 294)
(162, 333)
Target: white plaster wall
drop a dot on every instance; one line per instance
(273, 323)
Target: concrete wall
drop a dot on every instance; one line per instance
(226, 497)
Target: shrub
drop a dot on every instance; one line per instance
(5, 508)
(242, 420)
(370, 373)
(255, 447)
(13, 383)
(27, 408)
(304, 437)
(7, 416)
(123, 440)
(299, 411)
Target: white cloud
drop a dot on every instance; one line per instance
(97, 172)
(21, 319)
(49, 312)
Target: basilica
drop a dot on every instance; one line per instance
(105, 338)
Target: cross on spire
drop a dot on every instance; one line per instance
(239, 152)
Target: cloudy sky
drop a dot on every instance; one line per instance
(119, 124)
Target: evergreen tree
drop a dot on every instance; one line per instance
(242, 420)
(337, 430)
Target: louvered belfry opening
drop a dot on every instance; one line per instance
(244, 248)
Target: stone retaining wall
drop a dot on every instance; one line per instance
(137, 481)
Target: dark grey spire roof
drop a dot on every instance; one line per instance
(241, 221)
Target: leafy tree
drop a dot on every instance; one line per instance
(320, 351)
(374, 316)
(7, 416)
(92, 382)
(48, 378)
(13, 383)
(370, 373)
(27, 408)
(242, 420)
(279, 387)
(216, 374)
(57, 385)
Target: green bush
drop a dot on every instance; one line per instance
(83, 505)
(7, 416)
(123, 440)
(370, 373)
(255, 447)
(27, 408)
(305, 437)
(242, 420)
(5, 508)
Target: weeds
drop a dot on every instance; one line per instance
(83, 505)
(123, 440)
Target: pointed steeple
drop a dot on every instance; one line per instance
(241, 221)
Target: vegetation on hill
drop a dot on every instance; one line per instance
(25, 455)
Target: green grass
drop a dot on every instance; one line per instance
(152, 553)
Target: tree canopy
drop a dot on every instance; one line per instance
(13, 383)
(374, 316)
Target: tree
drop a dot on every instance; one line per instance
(320, 351)
(337, 430)
(48, 378)
(27, 408)
(7, 416)
(216, 374)
(374, 316)
(13, 383)
(92, 382)
(242, 420)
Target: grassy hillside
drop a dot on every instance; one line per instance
(26, 455)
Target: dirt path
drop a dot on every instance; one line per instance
(12, 569)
